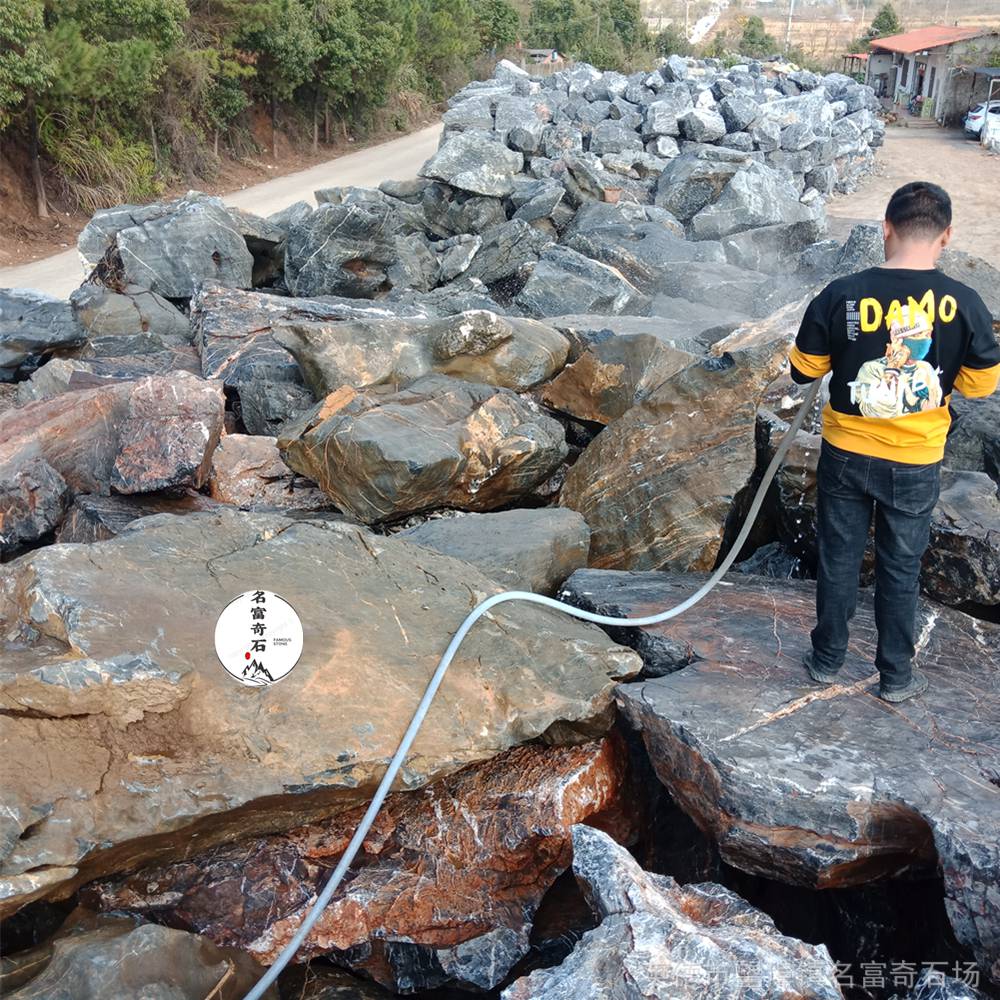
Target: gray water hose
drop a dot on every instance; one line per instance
(435, 682)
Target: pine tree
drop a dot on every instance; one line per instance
(25, 72)
(886, 22)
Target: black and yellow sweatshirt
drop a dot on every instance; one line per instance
(897, 341)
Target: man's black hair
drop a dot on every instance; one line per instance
(921, 210)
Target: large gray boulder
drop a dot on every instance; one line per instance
(647, 253)
(755, 196)
(659, 940)
(690, 182)
(168, 247)
(772, 249)
(449, 211)
(702, 125)
(613, 137)
(566, 281)
(478, 346)
(473, 161)
(441, 442)
(663, 115)
(739, 111)
(341, 250)
(507, 250)
(32, 323)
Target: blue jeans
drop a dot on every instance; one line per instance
(850, 488)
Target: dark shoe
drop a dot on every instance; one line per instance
(819, 676)
(918, 685)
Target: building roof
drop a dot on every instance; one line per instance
(928, 38)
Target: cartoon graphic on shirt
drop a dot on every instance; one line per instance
(901, 382)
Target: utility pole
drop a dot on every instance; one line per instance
(788, 30)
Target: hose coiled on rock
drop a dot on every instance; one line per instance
(481, 609)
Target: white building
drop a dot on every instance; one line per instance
(926, 62)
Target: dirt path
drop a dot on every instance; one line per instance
(398, 159)
(969, 174)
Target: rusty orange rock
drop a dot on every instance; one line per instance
(445, 889)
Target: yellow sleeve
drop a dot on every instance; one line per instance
(976, 382)
(812, 365)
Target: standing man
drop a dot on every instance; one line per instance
(897, 339)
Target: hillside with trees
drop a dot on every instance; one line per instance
(105, 101)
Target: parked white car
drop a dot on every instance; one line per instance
(977, 115)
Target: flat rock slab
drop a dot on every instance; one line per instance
(522, 549)
(127, 743)
(659, 940)
(445, 890)
(829, 786)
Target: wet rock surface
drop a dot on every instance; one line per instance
(658, 939)
(120, 959)
(447, 886)
(112, 741)
(817, 786)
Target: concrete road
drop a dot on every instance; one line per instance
(398, 159)
(966, 171)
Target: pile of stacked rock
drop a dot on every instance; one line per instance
(558, 354)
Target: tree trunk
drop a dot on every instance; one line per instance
(316, 120)
(326, 123)
(216, 142)
(274, 127)
(155, 144)
(36, 166)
